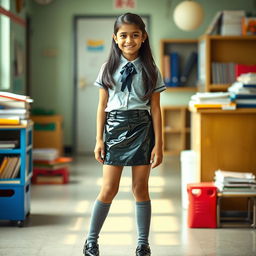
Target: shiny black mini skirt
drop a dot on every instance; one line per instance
(129, 138)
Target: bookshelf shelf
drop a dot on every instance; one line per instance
(15, 192)
(184, 48)
(223, 49)
(181, 89)
(176, 130)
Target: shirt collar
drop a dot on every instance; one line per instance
(136, 62)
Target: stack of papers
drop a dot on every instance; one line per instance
(217, 100)
(48, 154)
(227, 181)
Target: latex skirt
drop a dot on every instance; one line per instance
(129, 138)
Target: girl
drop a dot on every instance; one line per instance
(129, 113)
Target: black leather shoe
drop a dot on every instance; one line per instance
(91, 249)
(143, 250)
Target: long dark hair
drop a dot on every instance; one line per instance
(149, 72)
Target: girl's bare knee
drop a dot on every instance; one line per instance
(140, 192)
(107, 194)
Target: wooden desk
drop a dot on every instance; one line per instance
(242, 222)
(224, 139)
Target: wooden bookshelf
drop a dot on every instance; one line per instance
(223, 49)
(176, 129)
(183, 47)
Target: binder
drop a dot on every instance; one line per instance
(190, 64)
(175, 76)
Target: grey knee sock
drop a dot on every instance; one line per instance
(143, 216)
(99, 214)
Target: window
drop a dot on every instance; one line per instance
(5, 61)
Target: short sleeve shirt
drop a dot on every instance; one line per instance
(125, 100)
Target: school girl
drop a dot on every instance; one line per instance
(129, 131)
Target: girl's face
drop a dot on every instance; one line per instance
(129, 39)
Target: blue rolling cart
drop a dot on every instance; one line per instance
(15, 193)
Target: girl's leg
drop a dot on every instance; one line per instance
(140, 176)
(109, 188)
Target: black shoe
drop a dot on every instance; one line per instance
(143, 250)
(91, 249)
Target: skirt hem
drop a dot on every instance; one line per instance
(124, 164)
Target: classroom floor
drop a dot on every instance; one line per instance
(60, 215)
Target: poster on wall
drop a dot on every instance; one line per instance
(125, 4)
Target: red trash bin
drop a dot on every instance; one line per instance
(202, 205)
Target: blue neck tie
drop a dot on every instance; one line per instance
(127, 72)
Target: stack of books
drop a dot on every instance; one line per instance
(227, 22)
(235, 182)
(14, 108)
(218, 100)
(50, 170)
(232, 22)
(243, 91)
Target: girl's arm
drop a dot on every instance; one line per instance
(101, 117)
(157, 152)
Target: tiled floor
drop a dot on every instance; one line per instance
(60, 215)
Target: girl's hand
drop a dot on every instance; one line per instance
(156, 157)
(99, 152)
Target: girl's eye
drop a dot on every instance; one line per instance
(122, 36)
(136, 35)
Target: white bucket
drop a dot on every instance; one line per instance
(188, 173)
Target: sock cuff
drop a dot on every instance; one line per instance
(144, 203)
(102, 204)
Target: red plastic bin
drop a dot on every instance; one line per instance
(202, 205)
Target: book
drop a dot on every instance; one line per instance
(175, 68)
(48, 154)
(167, 70)
(231, 106)
(189, 65)
(9, 120)
(8, 143)
(214, 26)
(13, 111)
(243, 69)
(248, 78)
(3, 164)
(14, 104)
(7, 168)
(244, 105)
(9, 181)
(46, 179)
(248, 26)
(59, 160)
(6, 96)
(16, 169)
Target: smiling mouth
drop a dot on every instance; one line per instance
(129, 46)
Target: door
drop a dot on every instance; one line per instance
(92, 41)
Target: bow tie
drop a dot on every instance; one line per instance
(127, 72)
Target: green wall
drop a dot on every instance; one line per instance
(18, 38)
(51, 28)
